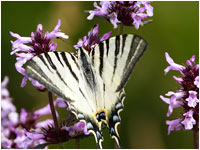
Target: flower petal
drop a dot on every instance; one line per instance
(192, 99)
(174, 125)
(189, 121)
(173, 66)
(196, 81)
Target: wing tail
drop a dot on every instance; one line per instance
(92, 128)
(114, 122)
(114, 119)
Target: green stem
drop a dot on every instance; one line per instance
(53, 112)
(121, 28)
(196, 137)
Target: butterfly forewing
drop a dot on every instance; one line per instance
(115, 58)
(60, 73)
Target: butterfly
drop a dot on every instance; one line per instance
(93, 81)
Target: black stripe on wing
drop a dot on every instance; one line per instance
(54, 67)
(69, 66)
(101, 51)
(115, 58)
(35, 72)
(123, 43)
(107, 47)
(58, 57)
(85, 64)
(117, 48)
(74, 59)
(93, 52)
(137, 48)
(42, 59)
(50, 61)
(134, 43)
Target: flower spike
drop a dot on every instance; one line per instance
(186, 97)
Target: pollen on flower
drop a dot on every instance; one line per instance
(186, 97)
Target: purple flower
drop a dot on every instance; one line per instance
(174, 125)
(9, 117)
(173, 66)
(62, 103)
(76, 128)
(93, 39)
(46, 131)
(188, 121)
(173, 103)
(38, 43)
(192, 99)
(196, 81)
(15, 126)
(49, 134)
(186, 97)
(129, 13)
(29, 119)
(4, 90)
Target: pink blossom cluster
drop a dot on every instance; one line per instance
(129, 13)
(186, 97)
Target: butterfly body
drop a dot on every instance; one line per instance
(91, 82)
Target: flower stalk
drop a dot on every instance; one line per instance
(196, 137)
(53, 112)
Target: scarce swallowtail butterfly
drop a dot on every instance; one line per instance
(92, 82)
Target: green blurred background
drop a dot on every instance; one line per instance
(174, 29)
